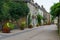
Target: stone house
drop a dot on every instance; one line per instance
(46, 15)
(34, 10)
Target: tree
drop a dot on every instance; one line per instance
(52, 19)
(10, 10)
(55, 11)
(13, 10)
(18, 10)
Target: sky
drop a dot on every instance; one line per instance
(46, 3)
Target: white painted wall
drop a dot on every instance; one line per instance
(33, 11)
(40, 12)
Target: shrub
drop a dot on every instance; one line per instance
(30, 26)
(37, 25)
(11, 25)
(39, 17)
(23, 25)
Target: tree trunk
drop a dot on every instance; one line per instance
(59, 24)
(18, 26)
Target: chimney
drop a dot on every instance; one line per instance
(32, 1)
(42, 6)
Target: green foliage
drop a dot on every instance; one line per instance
(12, 10)
(39, 18)
(11, 25)
(19, 9)
(5, 11)
(52, 19)
(55, 10)
(23, 25)
(29, 19)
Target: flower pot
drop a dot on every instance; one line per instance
(6, 30)
(30, 26)
(22, 28)
(37, 25)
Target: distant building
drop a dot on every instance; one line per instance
(35, 9)
(46, 16)
(59, 0)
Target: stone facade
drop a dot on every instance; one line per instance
(33, 11)
(46, 16)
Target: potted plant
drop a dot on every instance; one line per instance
(30, 26)
(37, 25)
(5, 28)
(22, 25)
(11, 26)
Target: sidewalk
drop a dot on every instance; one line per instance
(18, 31)
(15, 32)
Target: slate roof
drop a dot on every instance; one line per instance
(43, 9)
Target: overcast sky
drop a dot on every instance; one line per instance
(46, 3)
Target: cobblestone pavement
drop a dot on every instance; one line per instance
(48, 32)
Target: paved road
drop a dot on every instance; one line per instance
(47, 32)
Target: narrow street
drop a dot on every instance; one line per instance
(48, 32)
